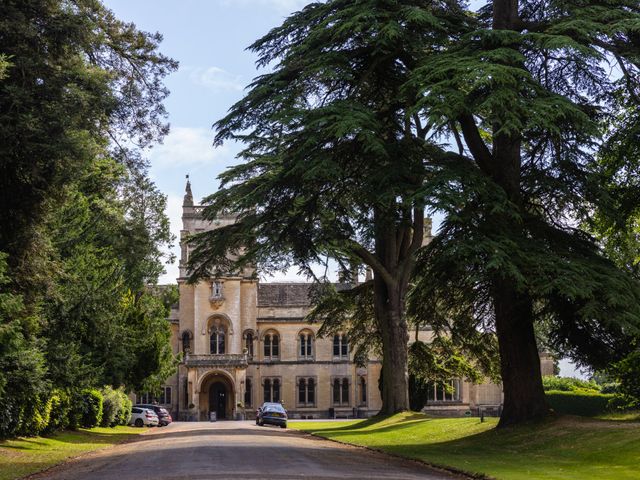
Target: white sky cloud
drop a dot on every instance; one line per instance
(216, 79)
(174, 212)
(185, 147)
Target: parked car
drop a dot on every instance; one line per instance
(273, 414)
(143, 416)
(163, 415)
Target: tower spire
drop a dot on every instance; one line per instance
(188, 196)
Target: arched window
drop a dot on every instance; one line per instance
(305, 341)
(271, 346)
(340, 392)
(186, 342)
(217, 341)
(248, 343)
(340, 347)
(248, 392)
(306, 392)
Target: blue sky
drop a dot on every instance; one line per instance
(208, 38)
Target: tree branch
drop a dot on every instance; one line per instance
(370, 259)
(477, 147)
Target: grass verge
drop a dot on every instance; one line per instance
(24, 456)
(565, 448)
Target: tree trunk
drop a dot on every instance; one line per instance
(389, 310)
(524, 397)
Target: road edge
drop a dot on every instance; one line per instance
(434, 466)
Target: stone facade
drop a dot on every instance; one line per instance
(246, 342)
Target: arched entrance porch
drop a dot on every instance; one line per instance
(217, 394)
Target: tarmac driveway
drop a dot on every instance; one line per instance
(236, 450)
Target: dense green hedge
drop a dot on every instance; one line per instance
(116, 407)
(59, 419)
(578, 403)
(91, 408)
(569, 384)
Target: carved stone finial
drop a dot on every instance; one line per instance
(188, 196)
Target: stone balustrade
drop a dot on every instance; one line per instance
(240, 360)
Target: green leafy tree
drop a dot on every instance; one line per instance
(333, 157)
(81, 97)
(528, 94)
(79, 79)
(105, 326)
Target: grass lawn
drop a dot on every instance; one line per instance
(23, 456)
(562, 448)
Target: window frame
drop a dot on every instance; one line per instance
(437, 394)
(272, 383)
(307, 381)
(341, 349)
(268, 343)
(306, 345)
(220, 334)
(339, 386)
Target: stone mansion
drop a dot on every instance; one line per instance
(246, 342)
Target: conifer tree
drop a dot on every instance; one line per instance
(341, 158)
(333, 159)
(530, 93)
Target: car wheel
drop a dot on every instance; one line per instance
(139, 422)
(283, 426)
(261, 423)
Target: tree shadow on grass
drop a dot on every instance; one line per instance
(371, 422)
(30, 441)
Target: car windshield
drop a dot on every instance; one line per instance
(273, 407)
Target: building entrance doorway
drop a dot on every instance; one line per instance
(218, 399)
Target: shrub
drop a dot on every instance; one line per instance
(35, 416)
(124, 415)
(623, 402)
(111, 406)
(568, 384)
(91, 406)
(579, 403)
(60, 411)
(76, 412)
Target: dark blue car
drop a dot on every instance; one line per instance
(271, 413)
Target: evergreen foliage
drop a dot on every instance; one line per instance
(342, 155)
(82, 226)
(333, 158)
(582, 403)
(528, 94)
(90, 408)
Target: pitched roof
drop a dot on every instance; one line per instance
(284, 294)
